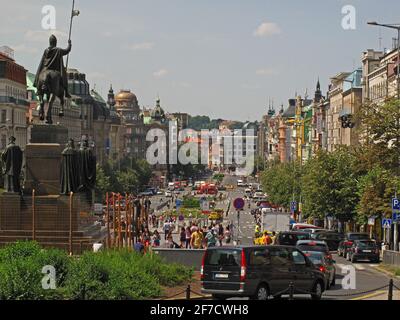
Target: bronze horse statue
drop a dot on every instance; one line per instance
(51, 79)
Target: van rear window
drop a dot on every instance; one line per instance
(228, 257)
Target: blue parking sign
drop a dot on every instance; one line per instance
(293, 206)
(395, 204)
(396, 216)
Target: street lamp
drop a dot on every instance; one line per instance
(396, 27)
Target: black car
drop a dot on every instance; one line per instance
(325, 264)
(259, 272)
(290, 238)
(331, 238)
(348, 241)
(363, 250)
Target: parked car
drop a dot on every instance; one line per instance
(312, 245)
(348, 240)
(363, 250)
(325, 264)
(331, 238)
(146, 193)
(290, 238)
(258, 272)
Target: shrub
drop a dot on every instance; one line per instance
(111, 274)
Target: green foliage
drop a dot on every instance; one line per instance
(329, 185)
(282, 182)
(21, 274)
(93, 276)
(128, 179)
(191, 202)
(218, 177)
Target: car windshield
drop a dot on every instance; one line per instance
(358, 236)
(307, 247)
(366, 244)
(315, 257)
(228, 257)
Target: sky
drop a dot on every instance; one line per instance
(222, 58)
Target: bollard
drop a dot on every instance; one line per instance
(188, 292)
(390, 294)
(291, 290)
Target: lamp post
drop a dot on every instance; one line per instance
(395, 27)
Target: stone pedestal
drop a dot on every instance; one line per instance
(42, 169)
(42, 133)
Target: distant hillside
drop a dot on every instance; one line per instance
(204, 122)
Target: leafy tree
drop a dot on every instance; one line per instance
(379, 129)
(329, 185)
(128, 180)
(103, 182)
(376, 190)
(281, 182)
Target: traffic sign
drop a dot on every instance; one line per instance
(395, 204)
(293, 206)
(238, 203)
(396, 216)
(386, 223)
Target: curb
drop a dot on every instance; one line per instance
(388, 273)
(371, 295)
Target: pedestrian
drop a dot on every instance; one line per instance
(210, 238)
(156, 238)
(266, 239)
(138, 246)
(273, 238)
(182, 237)
(188, 235)
(220, 234)
(166, 228)
(228, 235)
(196, 239)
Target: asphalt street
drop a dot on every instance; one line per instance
(368, 280)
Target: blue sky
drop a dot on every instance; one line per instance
(204, 56)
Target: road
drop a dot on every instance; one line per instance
(368, 280)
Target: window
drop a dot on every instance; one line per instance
(279, 256)
(259, 257)
(3, 116)
(298, 258)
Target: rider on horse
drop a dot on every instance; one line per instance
(51, 79)
(53, 60)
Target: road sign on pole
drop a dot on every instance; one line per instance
(293, 206)
(386, 223)
(238, 203)
(395, 204)
(396, 217)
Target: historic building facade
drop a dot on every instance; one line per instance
(14, 106)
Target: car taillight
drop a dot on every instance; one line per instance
(243, 267)
(202, 266)
(322, 269)
(348, 243)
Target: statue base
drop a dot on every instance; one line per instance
(48, 133)
(42, 168)
(52, 221)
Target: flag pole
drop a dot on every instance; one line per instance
(70, 28)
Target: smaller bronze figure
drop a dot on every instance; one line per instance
(69, 169)
(12, 159)
(87, 167)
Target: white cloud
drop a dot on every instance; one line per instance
(160, 73)
(142, 46)
(266, 72)
(267, 29)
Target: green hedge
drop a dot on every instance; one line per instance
(104, 275)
